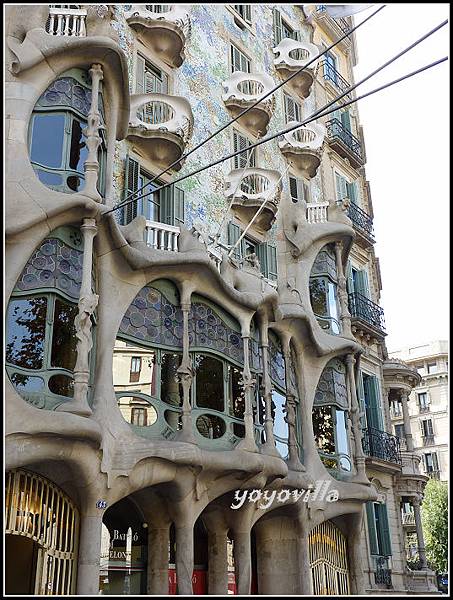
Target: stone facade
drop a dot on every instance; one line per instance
(429, 401)
(158, 366)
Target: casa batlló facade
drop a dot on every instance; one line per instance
(215, 343)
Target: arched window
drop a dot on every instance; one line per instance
(40, 334)
(323, 290)
(330, 418)
(57, 143)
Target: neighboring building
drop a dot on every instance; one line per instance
(428, 406)
(162, 358)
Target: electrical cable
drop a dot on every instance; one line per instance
(246, 110)
(317, 114)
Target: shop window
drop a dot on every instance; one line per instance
(57, 143)
(330, 418)
(323, 291)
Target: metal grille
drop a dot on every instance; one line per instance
(37, 509)
(382, 445)
(328, 561)
(337, 132)
(361, 220)
(365, 309)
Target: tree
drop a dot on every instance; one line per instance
(435, 524)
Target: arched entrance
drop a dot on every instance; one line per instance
(123, 550)
(42, 526)
(328, 560)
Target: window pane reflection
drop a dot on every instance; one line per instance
(171, 391)
(323, 429)
(236, 392)
(318, 296)
(47, 140)
(280, 425)
(64, 341)
(26, 328)
(78, 151)
(209, 386)
(27, 383)
(137, 411)
(62, 385)
(211, 426)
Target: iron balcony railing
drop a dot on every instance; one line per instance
(361, 220)
(381, 444)
(336, 132)
(433, 474)
(365, 309)
(428, 440)
(331, 74)
(423, 408)
(408, 518)
(382, 574)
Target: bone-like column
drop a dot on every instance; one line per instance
(89, 552)
(93, 139)
(355, 418)
(87, 304)
(184, 558)
(217, 562)
(242, 551)
(184, 375)
(345, 315)
(158, 539)
(290, 417)
(248, 384)
(269, 445)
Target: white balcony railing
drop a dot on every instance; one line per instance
(161, 236)
(293, 54)
(317, 212)
(176, 14)
(162, 112)
(306, 137)
(408, 518)
(249, 87)
(66, 20)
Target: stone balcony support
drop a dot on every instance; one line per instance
(303, 147)
(291, 56)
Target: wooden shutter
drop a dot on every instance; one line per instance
(361, 283)
(278, 27)
(386, 546)
(435, 461)
(139, 75)
(373, 409)
(178, 207)
(296, 189)
(234, 233)
(132, 174)
(240, 142)
(341, 187)
(352, 191)
(346, 120)
(372, 534)
(292, 109)
(267, 255)
(361, 397)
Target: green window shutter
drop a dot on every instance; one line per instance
(361, 396)
(179, 207)
(278, 27)
(234, 233)
(267, 255)
(132, 174)
(352, 191)
(341, 187)
(373, 408)
(372, 535)
(362, 286)
(139, 75)
(166, 205)
(346, 120)
(336, 115)
(386, 546)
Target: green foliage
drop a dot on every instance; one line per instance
(435, 524)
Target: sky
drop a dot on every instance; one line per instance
(407, 147)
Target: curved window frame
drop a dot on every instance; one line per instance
(330, 321)
(71, 115)
(333, 461)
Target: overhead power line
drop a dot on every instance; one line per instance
(317, 114)
(249, 108)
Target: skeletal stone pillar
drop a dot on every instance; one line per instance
(89, 553)
(87, 304)
(184, 559)
(355, 554)
(93, 139)
(158, 539)
(269, 445)
(290, 408)
(359, 456)
(248, 383)
(407, 422)
(185, 378)
(242, 552)
(420, 538)
(345, 315)
(303, 561)
(217, 562)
